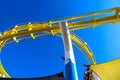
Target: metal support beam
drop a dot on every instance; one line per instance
(70, 65)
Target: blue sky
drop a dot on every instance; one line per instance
(41, 57)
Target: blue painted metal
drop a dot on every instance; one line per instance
(70, 71)
(70, 64)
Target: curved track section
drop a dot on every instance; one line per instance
(33, 30)
(78, 43)
(3, 73)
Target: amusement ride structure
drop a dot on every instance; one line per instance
(34, 30)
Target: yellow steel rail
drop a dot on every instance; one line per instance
(77, 42)
(3, 73)
(52, 27)
(33, 30)
(83, 47)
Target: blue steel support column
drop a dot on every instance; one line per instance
(70, 64)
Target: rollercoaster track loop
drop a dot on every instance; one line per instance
(33, 30)
(3, 72)
(76, 41)
(53, 26)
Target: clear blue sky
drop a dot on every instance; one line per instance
(41, 57)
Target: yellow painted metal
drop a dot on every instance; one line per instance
(84, 46)
(91, 20)
(30, 27)
(80, 44)
(13, 32)
(3, 72)
(108, 70)
(74, 24)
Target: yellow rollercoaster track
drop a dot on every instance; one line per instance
(33, 30)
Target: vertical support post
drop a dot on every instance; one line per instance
(70, 65)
